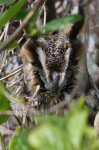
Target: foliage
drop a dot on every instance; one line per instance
(61, 23)
(13, 141)
(12, 45)
(2, 141)
(11, 12)
(4, 103)
(70, 132)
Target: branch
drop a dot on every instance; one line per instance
(11, 74)
(24, 23)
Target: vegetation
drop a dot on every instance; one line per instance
(48, 132)
(70, 132)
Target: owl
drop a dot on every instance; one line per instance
(56, 63)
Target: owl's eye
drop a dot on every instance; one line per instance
(35, 64)
(67, 38)
(76, 61)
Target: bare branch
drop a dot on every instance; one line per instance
(11, 74)
(35, 93)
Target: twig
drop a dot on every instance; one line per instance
(2, 35)
(9, 132)
(44, 15)
(6, 30)
(17, 113)
(21, 38)
(68, 7)
(24, 23)
(2, 9)
(35, 2)
(16, 90)
(6, 63)
(11, 74)
(24, 112)
(10, 112)
(5, 54)
(35, 93)
(21, 66)
(15, 82)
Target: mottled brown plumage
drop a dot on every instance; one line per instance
(57, 63)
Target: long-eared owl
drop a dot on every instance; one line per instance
(56, 63)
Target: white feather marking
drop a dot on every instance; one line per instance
(42, 58)
(62, 78)
(67, 55)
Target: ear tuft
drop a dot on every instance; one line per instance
(74, 29)
(78, 27)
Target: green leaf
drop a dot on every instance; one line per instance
(4, 103)
(61, 23)
(2, 142)
(31, 27)
(70, 132)
(22, 13)
(76, 125)
(20, 100)
(60, 121)
(11, 12)
(12, 45)
(35, 32)
(47, 137)
(13, 141)
(21, 142)
(34, 19)
(6, 2)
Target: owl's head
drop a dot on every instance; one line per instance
(55, 62)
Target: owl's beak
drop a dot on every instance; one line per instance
(55, 80)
